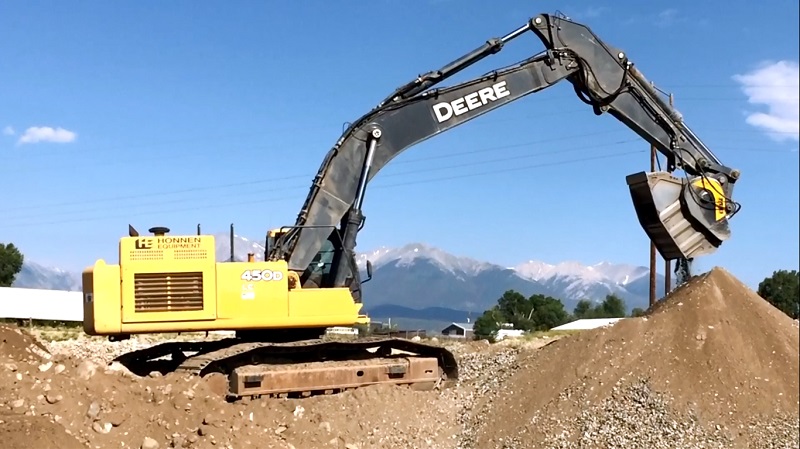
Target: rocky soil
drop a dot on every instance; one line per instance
(714, 366)
(65, 394)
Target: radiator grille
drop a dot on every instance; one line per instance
(146, 254)
(168, 292)
(190, 254)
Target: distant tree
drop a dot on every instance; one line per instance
(514, 308)
(782, 290)
(487, 325)
(10, 263)
(637, 311)
(538, 312)
(547, 313)
(582, 309)
(612, 307)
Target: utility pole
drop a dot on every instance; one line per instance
(652, 245)
(667, 262)
(667, 268)
(653, 157)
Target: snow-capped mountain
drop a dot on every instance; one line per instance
(241, 247)
(407, 255)
(585, 281)
(577, 279)
(34, 275)
(420, 276)
(602, 272)
(432, 277)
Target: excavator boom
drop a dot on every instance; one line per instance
(685, 218)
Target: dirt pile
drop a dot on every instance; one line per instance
(17, 344)
(26, 432)
(19, 427)
(714, 365)
(59, 400)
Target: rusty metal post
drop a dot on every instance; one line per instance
(652, 245)
(653, 278)
(667, 262)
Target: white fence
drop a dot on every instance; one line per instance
(38, 304)
(586, 324)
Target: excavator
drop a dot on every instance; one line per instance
(309, 281)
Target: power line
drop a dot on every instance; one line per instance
(307, 176)
(304, 186)
(738, 86)
(482, 121)
(513, 169)
(117, 161)
(387, 175)
(271, 200)
(57, 165)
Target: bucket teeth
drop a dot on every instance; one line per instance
(674, 216)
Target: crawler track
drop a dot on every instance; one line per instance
(302, 368)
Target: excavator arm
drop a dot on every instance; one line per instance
(685, 217)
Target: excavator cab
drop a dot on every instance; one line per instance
(320, 271)
(272, 236)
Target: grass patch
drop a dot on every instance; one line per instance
(56, 334)
(549, 334)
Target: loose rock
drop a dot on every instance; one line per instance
(642, 383)
(149, 443)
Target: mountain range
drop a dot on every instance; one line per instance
(422, 286)
(419, 282)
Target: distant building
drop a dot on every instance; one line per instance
(586, 324)
(342, 330)
(502, 334)
(458, 330)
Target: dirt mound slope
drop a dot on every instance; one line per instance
(26, 432)
(713, 365)
(66, 400)
(18, 344)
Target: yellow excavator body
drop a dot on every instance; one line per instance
(174, 284)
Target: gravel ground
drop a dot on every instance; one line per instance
(103, 405)
(100, 350)
(711, 367)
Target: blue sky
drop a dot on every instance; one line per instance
(221, 112)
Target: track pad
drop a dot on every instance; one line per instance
(683, 218)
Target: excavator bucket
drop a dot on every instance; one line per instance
(683, 218)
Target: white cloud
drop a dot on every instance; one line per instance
(775, 85)
(590, 12)
(667, 17)
(8, 131)
(36, 134)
